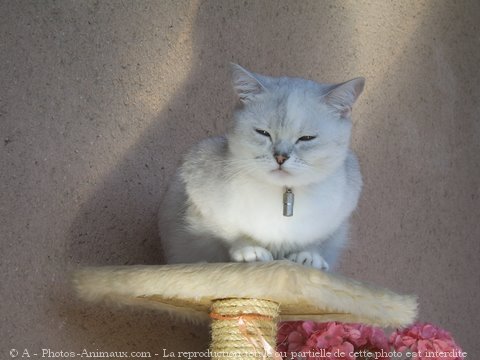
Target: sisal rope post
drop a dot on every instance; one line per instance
(243, 329)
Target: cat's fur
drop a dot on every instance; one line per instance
(225, 203)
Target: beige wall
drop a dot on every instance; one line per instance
(99, 100)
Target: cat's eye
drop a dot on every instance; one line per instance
(306, 138)
(262, 132)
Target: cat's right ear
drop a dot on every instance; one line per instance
(246, 85)
(342, 96)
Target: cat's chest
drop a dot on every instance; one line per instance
(257, 211)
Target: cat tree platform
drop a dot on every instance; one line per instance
(244, 300)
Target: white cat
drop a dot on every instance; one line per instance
(231, 200)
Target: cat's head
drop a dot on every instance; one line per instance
(290, 131)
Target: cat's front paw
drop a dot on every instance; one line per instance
(250, 254)
(309, 258)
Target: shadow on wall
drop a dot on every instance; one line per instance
(118, 224)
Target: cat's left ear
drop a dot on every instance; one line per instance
(247, 85)
(342, 96)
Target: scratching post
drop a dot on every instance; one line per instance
(243, 326)
(243, 301)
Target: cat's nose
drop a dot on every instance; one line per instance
(281, 158)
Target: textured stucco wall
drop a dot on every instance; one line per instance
(99, 99)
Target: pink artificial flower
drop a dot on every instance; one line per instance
(428, 341)
(290, 336)
(330, 340)
(293, 335)
(333, 336)
(371, 338)
(314, 341)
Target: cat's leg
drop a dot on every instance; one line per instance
(334, 244)
(324, 254)
(247, 250)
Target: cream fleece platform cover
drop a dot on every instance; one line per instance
(303, 293)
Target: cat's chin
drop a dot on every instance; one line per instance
(283, 177)
(282, 173)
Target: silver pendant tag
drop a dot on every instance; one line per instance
(288, 198)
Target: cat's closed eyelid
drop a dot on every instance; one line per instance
(263, 132)
(306, 138)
